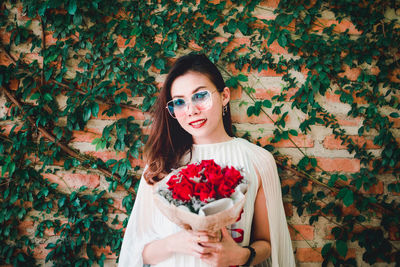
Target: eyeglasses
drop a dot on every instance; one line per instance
(202, 100)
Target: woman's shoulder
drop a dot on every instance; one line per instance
(253, 150)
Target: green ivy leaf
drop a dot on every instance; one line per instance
(72, 7)
(282, 40)
(341, 247)
(325, 249)
(348, 198)
(266, 103)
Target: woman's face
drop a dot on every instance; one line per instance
(205, 125)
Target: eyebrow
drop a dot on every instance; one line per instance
(194, 91)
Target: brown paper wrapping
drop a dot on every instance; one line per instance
(192, 221)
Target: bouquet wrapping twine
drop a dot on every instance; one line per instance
(212, 217)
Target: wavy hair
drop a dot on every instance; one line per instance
(168, 141)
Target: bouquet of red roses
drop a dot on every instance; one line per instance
(202, 196)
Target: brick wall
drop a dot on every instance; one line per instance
(330, 153)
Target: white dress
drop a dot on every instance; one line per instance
(147, 223)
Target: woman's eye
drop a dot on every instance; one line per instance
(200, 95)
(179, 102)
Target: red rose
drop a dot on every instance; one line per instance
(191, 170)
(210, 164)
(173, 180)
(226, 189)
(204, 191)
(212, 172)
(230, 173)
(183, 190)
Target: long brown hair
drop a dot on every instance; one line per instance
(168, 141)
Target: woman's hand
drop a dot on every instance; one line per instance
(186, 242)
(189, 242)
(224, 253)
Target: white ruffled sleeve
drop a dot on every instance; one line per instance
(140, 229)
(281, 244)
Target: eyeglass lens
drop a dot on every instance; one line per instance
(201, 100)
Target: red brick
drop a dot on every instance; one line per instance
(332, 97)
(356, 230)
(107, 252)
(236, 93)
(158, 38)
(393, 76)
(241, 117)
(340, 27)
(301, 232)
(268, 93)
(194, 46)
(288, 207)
(344, 120)
(5, 36)
(27, 205)
(270, 3)
(394, 233)
(136, 162)
(74, 180)
(86, 136)
(31, 57)
(351, 73)
(125, 113)
(118, 201)
(330, 142)
(375, 70)
(7, 129)
(262, 73)
(292, 181)
(351, 253)
(200, 18)
(106, 155)
(237, 42)
(274, 48)
(301, 141)
(21, 15)
(309, 255)
(339, 164)
(375, 189)
(4, 60)
(50, 231)
(49, 39)
(259, 24)
(40, 252)
(396, 122)
(13, 84)
(26, 227)
(392, 192)
(350, 210)
(121, 42)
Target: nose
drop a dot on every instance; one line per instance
(191, 109)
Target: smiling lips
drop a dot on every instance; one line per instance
(198, 123)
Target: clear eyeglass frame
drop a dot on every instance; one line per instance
(202, 100)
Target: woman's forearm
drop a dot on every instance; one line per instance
(157, 251)
(263, 251)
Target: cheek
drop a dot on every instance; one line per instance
(181, 121)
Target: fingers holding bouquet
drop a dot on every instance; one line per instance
(208, 237)
(223, 253)
(190, 242)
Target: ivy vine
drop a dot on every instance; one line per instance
(69, 63)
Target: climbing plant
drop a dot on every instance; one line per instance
(67, 63)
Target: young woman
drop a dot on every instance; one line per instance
(192, 122)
